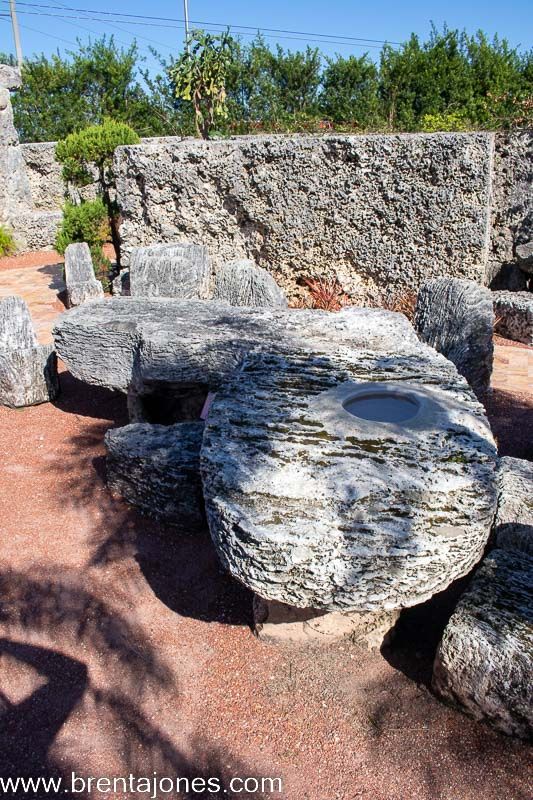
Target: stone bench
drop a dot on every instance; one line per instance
(514, 315)
(484, 663)
(28, 370)
(456, 318)
(156, 468)
(79, 275)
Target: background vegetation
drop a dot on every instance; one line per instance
(452, 81)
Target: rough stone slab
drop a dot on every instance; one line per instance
(524, 256)
(179, 269)
(313, 507)
(28, 377)
(36, 230)
(513, 525)
(278, 623)
(243, 283)
(511, 207)
(16, 327)
(79, 275)
(120, 286)
(377, 211)
(128, 339)
(157, 469)
(28, 371)
(514, 315)
(10, 77)
(456, 317)
(484, 663)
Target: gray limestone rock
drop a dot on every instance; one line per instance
(127, 341)
(157, 469)
(524, 256)
(513, 525)
(170, 270)
(315, 507)
(484, 663)
(511, 204)
(28, 371)
(10, 77)
(37, 230)
(514, 315)
(243, 283)
(121, 284)
(79, 275)
(456, 318)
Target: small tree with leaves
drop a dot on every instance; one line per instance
(88, 154)
(200, 76)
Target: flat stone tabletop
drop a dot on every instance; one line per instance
(126, 340)
(314, 507)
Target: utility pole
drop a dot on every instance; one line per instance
(186, 16)
(16, 32)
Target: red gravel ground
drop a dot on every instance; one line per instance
(124, 648)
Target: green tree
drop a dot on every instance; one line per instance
(350, 89)
(91, 150)
(62, 94)
(200, 75)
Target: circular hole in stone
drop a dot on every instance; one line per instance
(382, 406)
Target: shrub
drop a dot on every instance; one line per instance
(87, 222)
(92, 149)
(448, 121)
(7, 243)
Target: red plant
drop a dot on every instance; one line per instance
(326, 293)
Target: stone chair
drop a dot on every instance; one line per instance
(79, 275)
(456, 317)
(243, 283)
(28, 370)
(180, 269)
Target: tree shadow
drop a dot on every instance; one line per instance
(28, 728)
(55, 272)
(118, 681)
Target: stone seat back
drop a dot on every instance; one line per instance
(16, 327)
(456, 317)
(178, 270)
(78, 264)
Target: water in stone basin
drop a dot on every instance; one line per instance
(382, 406)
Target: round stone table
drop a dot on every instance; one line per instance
(349, 479)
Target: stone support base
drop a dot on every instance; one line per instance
(279, 623)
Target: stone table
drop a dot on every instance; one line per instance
(307, 504)
(314, 507)
(127, 341)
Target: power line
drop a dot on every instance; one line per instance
(67, 17)
(59, 6)
(42, 33)
(312, 36)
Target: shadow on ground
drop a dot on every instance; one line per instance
(65, 618)
(511, 418)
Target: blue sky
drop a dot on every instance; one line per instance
(378, 19)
